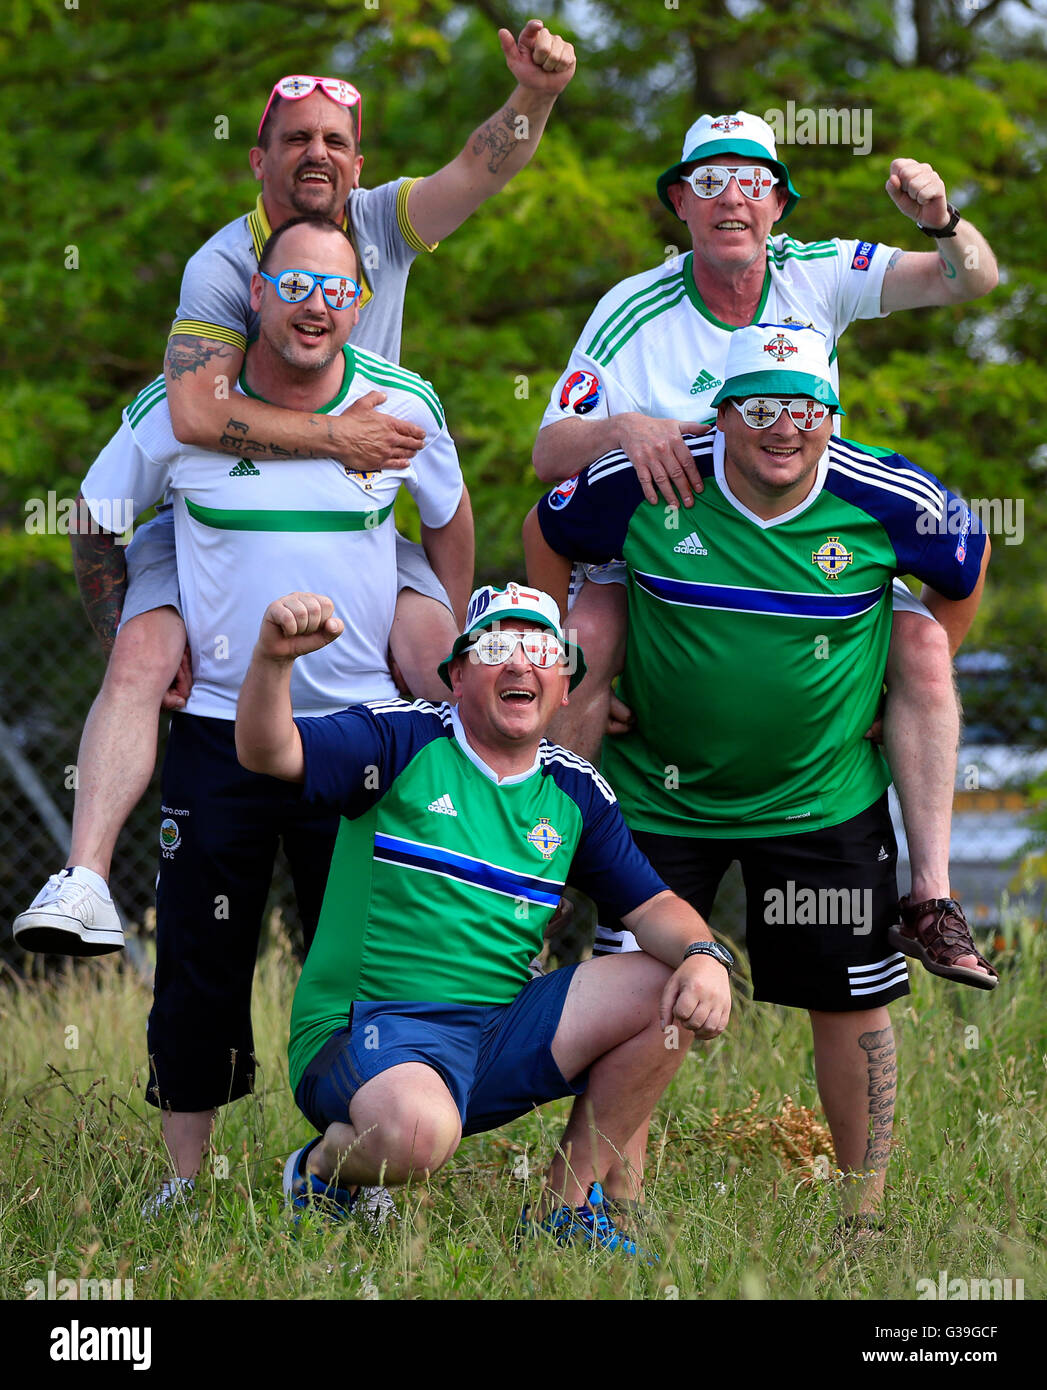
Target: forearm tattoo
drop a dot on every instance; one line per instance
(883, 1073)
(188, 354)
(101, 573)
(236, 439)
(498, 137)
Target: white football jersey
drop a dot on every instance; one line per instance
(652, 346)
(249, 531)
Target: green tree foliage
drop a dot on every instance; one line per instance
(127, 132)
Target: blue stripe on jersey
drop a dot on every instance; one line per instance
(342, 749)
(576, 768)
(593, 526)
(785, 604)
(409, 854)
(934, 535)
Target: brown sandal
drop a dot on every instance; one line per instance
(936, 933)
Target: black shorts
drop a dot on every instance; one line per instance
(818, 908)
(220, 826)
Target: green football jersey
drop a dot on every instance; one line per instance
(444, 878)
(757, 648)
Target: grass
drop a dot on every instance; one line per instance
(740, 1207)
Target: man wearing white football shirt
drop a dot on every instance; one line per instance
(308, 160)
(240, 530)
(651, 359)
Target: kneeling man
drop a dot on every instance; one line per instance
(416, 1020)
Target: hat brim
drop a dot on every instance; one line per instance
(728, 146)
(576, 660)
(780, 383)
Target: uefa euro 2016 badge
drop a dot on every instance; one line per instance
(170, 837)
(581, 393)
(780, 347)
(545, 838)
(833, 558)
(561, 495)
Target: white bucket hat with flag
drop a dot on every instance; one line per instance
(740, 134)
(778, 359)
(490, 607)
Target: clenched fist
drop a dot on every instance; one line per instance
(297, 624)
(919, 192)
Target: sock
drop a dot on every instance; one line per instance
(176, 1187)
(79, 874)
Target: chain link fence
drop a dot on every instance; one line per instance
(51, 671)
(52, 668)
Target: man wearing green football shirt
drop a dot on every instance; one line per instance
(646, 369)
(758, 635)
(415, 1020)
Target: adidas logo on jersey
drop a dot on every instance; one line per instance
(443, 805)
(704, 381)
(691, 545)
(244, 469)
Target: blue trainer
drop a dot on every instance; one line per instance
(588, 1224)
(306, 1192)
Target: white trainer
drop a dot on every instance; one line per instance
(69, 918)
(375, 1205)
(174, 1192)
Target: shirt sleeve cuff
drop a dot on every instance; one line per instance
(197, 328)
(403, 221)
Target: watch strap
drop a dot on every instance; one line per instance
(711, 948)
(948, 230)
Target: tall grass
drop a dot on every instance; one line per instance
(739, 1206)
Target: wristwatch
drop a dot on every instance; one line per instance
(714, 949)
(948, 230)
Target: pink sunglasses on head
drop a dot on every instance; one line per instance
(296, 87)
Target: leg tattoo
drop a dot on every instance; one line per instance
(878, 1046)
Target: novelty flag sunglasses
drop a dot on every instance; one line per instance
(710, 180)
(296, 87)
(542, 648)
(295, 286)
(759, 412)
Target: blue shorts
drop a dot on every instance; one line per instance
(496, 1061)
(152, 570)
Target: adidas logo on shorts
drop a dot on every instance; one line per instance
(443, 805)
(691, 545)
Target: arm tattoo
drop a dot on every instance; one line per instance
(237, 440)
(101, 573)
(895, 257)
(879, 1048)
(498, 138)
(188, 354)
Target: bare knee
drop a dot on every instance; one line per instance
(598, 623)
(146, 655)
(919, 666)
(649, 975)
(422, 634)
(413, 1140)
